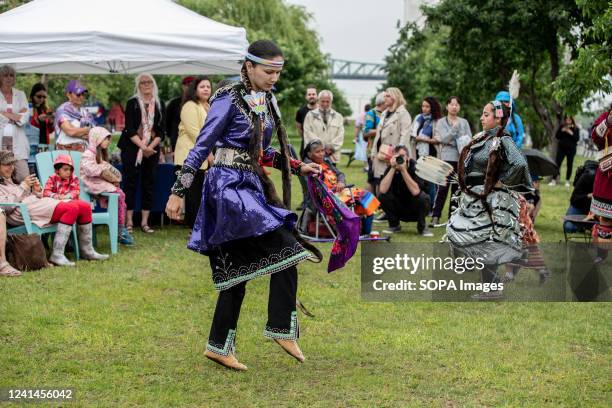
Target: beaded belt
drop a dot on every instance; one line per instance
(233, 158)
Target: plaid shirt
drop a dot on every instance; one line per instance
(56, 186)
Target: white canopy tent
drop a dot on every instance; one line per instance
(117, 36)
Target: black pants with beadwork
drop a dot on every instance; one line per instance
(282, 315)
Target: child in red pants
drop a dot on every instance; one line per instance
(69, 212)
(64, 186)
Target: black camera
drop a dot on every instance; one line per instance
(399, 160)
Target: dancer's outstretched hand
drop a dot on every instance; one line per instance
(310, 168)
(173, 207)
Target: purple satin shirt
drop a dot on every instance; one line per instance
(233, 203)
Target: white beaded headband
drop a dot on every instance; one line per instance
(263, 61)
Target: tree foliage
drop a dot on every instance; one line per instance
(418, 64)
(285, 24)
(591, 71)
(471, 47)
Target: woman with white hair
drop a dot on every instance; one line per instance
(13, 117)
(139, 144)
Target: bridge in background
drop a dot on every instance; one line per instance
(342, 69)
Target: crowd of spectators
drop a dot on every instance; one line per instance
(140, 126)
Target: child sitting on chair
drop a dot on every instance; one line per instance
(99, 176)
(364, 202)
(63, 184)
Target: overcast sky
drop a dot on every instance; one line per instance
(357, 30)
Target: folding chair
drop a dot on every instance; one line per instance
(110, 217)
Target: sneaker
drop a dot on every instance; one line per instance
(567, 183)
(434, 221)
(392, 230)
(426, 233)
(125, 238)
(553, 182)
(381, 218)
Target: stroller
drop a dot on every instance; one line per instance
(315, 227)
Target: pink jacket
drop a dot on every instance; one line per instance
(40, 208)
(91, 169)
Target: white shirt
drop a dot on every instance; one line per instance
(21, 145)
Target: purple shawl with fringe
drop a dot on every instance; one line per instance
(339, 216)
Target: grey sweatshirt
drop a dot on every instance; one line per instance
(448, 134)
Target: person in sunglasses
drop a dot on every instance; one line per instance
(72, 121)
(42, 116)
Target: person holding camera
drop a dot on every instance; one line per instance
(401, 194)
(393, 130)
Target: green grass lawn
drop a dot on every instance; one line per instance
(131, 332)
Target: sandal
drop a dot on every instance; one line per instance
(129, 228)
(146, 229)
(7, 270)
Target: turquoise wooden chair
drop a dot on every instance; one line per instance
(110, 217)
(29, 227)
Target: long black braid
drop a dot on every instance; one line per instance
(255, 145)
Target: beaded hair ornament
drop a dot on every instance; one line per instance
(498, 109)
(513, 89)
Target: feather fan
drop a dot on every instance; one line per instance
(435, 170)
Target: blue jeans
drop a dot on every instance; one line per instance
(366, 225)
(570, 226)
(431, 190)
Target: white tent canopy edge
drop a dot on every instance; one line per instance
(117, 36)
